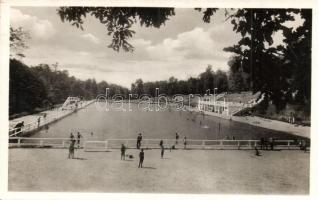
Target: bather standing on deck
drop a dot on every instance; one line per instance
(162, 148)
(141, 158)
(271, 142)
(18, 127)
(139, 138)
(177, 137)
(123, 152)
(71, 149)
(262, 143)
(185, 142)
(39, 120)
(72, 137)
(79, 136)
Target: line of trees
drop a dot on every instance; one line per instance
(40, 87)
(43, 86)
(193, 85)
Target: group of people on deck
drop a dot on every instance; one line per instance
(265, 144)
(139, 140)
(142, 154)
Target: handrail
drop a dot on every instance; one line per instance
(30, 138)
(148, 139)
(35, 122)
(59, 114)
(147, 143)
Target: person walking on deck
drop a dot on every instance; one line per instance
(141, 158)
(266, 142)
(303, 145)
(271, 143)
(71, 149)
(72, 137)
(257, 152)
(79, 136)
(262, 143)
(39, 120)
(185, 142)
(18, 127)
(177, 137)
(139, 138)
(162, 148)
(123, 152)
(162, 151)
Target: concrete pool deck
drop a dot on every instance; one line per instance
(51, 116)
(303, 131)
(299, 130)
(181, 171)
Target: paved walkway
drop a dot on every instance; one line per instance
(31, 121)
(299, 130)
(181, 171)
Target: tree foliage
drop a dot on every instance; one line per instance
(277, 71)
(194, 85)
(42, 86)
(238, 80)
(18, 38)
(26, 91)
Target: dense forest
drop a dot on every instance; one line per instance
(41, 87)
(207, 80)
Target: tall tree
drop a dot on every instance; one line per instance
(139, 87)
(26, 91)
(172, 86)
(297, 59)
(221, 81)
(238, 79)
(207, 80)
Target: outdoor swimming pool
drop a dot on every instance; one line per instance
(153, 125)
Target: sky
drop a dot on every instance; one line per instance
(182, 48)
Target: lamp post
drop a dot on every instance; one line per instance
(214, 98)
(129, 98)
(214, 93)
(157, 93)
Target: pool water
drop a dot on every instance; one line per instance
(114, 124)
